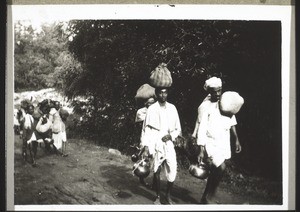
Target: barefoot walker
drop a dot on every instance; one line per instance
(213, 128)
(161, 127)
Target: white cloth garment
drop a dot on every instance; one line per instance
(141, 114)
(28, 120)
(214, 132)
(33, 138)
(28, 126)
(159, 122)
(16, 121)
(59, 137)
(42, 128)
(213, 82)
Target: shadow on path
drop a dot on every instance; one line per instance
(120, 178)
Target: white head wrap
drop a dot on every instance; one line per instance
(213, 82)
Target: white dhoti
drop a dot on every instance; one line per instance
(32, 138)
(161, 121)
(216, 154)
(58, 132)
(165, 156)
(59, 138)
(214, 133)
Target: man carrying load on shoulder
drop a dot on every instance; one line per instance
(212, 131)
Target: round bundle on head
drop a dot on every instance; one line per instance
(161, 77)
(45, 103)
(25, 103)
(145, 92)
(63, 112)
(231, 103)
(44, 106)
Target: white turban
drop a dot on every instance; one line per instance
(212, 82)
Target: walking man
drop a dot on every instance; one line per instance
(139, 120)
(213, 136)
(161, 127)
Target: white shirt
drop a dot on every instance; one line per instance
(159, 122)
(214, 131)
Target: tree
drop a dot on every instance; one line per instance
(41, 57)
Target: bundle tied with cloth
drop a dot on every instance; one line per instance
(230, 103)
(145, 92)
(160, 77)
(25, 103)
(64, 114)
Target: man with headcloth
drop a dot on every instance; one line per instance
(161, 127)
(212, 131)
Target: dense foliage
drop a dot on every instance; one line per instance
(118, 56)
(41, 56)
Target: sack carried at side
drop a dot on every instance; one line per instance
(145, 92)
(231, 103)
(161, 77)
(44, 125)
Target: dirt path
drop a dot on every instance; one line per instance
(91, 175)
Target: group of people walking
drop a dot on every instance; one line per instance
(161, 126)
(44, 123)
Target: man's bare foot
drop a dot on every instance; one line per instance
(170, 201)
(58, 153)
(157, 201)
(208, 201)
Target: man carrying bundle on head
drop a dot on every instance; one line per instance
(44, 124)
(146, 94)
(161, 127)
(216, 120)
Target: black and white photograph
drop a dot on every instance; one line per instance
(150, 107)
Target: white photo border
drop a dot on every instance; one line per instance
(284, 14)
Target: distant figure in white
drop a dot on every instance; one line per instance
(59, 135)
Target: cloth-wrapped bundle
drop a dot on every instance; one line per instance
(25, 103)
(231, 103)
(161, 77)
(145, 92)
(44, 125)
(63, 113)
